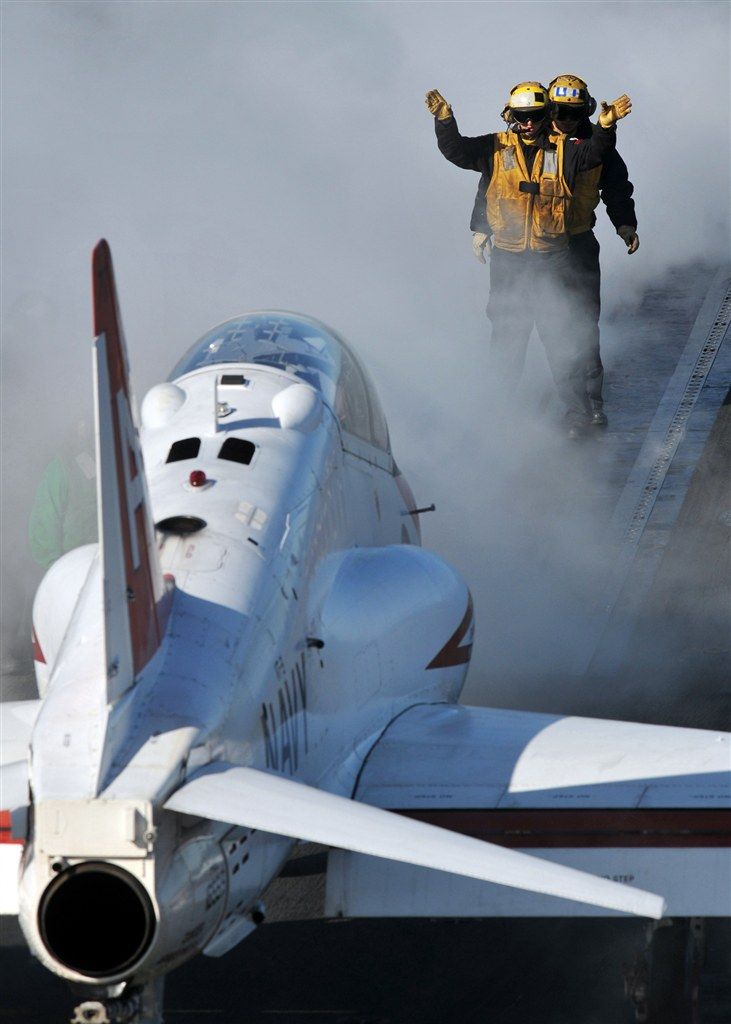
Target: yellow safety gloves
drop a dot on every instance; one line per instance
(437, 105)
(630, 238)
(614, 111)
(480, 243)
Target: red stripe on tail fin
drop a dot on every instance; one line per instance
(134, 589)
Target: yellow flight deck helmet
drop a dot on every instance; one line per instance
(527, 101)
(569, 97)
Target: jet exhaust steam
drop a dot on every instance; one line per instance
(113, 915)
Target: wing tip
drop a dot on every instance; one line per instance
(660, 905)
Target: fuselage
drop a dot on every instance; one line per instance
(303, 618)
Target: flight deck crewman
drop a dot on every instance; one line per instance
(531, 175)
(571, 106)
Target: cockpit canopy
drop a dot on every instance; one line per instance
(305, 348)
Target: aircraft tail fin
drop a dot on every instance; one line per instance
(134, 589)
(255, 799)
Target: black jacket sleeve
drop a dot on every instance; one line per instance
(616, 191)
(583, 154)
(473, 154)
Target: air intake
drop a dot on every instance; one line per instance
(180, 525)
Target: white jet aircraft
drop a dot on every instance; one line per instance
(257, 652)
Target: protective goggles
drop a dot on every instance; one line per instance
(523, 116)
(568, 112)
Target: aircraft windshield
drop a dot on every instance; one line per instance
(292, 343)
(305, 348)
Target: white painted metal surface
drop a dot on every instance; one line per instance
(297, 407)
(259, 800)
(14, 791)
(93, 828)
(9, 865)
(695, 883)
(446, 757)
(160, 404)
(54, 605)
(292, 626)
(17, 718)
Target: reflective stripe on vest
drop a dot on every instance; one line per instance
(525, 219)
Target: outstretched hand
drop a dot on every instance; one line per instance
(630, 238)
(437, 105)
(615, 111)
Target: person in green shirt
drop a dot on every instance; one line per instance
(63, 515)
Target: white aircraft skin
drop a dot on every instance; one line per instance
(209, 692)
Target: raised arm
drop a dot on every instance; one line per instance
(473, 154)
(595, 150)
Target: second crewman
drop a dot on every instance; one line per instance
(531, 175)
(571, 108)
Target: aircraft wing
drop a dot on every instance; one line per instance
(646, 805)
(256, 799)
(441, 757)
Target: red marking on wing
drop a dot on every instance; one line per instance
(552, 829)
(5, 829)
(146, 618)
(452, 653)
(37, 651)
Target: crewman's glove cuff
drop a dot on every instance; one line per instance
(629, 236)
(481, 246)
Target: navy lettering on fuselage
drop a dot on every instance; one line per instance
(284, 720)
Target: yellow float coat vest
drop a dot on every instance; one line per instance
(523, 220)
(584, 202)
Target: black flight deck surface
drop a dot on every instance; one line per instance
(652, 644)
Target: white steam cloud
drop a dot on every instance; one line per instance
(242, 155)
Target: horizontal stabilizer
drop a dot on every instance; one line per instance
(14, 786)
(255, 799)
(10, 854)
(17, 718)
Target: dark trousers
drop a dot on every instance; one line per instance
(586, 285)
(528, 288)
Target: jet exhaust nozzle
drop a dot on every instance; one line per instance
(96, 919)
